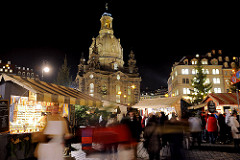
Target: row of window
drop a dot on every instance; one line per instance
(215, 81)
(23, 74)
(187, 90)
(6, 70)
(194, 71)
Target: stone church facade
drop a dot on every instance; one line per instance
(104, 75)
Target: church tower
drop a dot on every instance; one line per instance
(105, 76)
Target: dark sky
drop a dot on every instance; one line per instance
(158, 33)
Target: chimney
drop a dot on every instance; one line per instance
(9, 62)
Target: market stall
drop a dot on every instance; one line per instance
(30, 100)
(166, 105)
(222, 102)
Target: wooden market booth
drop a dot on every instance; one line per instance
(167, 105)
(24, 100)
(222, 102)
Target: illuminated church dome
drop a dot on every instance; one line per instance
(109, 48)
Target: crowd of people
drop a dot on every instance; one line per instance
(155, 130)
(158, 131)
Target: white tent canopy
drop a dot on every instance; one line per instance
(157, 102)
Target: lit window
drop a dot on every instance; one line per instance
(207, 81)
(185, 71)
(204, 62)
(186, 91)
(217, 90)
(194, 62)
(118, 77)
(118, 98)
(91, 76)
(206, 71)
(193, 71)
(215, 71)
(19, 73)
(6, 70)
(10, 70)
(1, 69)
(175, 73)
(91, 89)
(115, 66)
(216, 80)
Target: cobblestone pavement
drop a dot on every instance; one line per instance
(206, 152)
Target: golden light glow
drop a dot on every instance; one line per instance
(133, 86)
(166, 95)
(7, 65)
(124, 96)
(234, 58)
(119, 93)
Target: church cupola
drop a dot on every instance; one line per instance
(106, 23)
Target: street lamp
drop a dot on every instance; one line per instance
(45, 68)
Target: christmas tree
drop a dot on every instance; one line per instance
(199, 84)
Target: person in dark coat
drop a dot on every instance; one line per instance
(223, 129)
(135, 128)
(152, 135)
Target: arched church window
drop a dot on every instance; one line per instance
(91, 89)
(115, 66)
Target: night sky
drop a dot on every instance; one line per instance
(158, 33)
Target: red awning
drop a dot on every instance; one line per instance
(224, 98)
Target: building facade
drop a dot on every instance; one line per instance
(104, 75)
(9, 68)
(217, 67)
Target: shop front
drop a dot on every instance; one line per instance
(30, 100)
(26, 102)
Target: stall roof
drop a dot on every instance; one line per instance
(50, 92)
(223, 98)
(219, 98)
(157, 102)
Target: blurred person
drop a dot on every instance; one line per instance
(235, 128)
(162, 118)
(143, 121)
(212, 128)
(67, 149)
(112, 147)
(195, 127)
(135, 129)
(204, 130)
(152, 139)
(223, 129)
(56, 130)
(174, 130)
